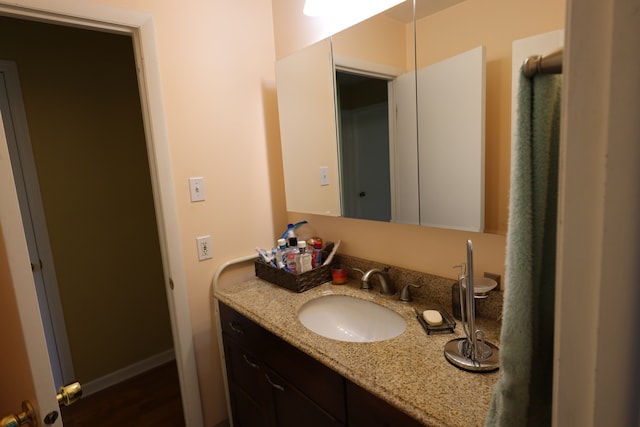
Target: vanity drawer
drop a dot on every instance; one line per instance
(242, 330)
(321, 384)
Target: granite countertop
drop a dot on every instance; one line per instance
(409, 371)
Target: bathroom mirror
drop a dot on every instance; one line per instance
(350, 135)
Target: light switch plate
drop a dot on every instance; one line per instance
(196, 185)
(324, 175)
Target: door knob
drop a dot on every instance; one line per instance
(69, 394)
(25, 418)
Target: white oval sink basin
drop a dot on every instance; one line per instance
(351, 319)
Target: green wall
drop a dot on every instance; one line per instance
(81, 96)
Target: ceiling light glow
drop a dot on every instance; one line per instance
(357, 9)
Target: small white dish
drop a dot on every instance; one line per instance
(482, 286)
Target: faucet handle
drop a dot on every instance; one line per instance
(405, 294)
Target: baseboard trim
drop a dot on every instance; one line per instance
(127, 372)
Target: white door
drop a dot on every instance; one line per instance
(25, 370)
(33, 220)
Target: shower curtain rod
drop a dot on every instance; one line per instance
(551, 63)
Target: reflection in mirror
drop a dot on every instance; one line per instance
(380, 176)
(363, 123)
(436, 165)
(306, 105)
(451, 106)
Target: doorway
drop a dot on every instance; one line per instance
(82, 100)
(140, 26)
(363, 135)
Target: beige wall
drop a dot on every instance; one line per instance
(82, 104)
(464, 26)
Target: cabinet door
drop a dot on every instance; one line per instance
(367, 410)
(246, 411)
(316, 381)
(250, 394)
(294, 409)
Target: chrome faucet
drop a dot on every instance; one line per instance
(386, 287)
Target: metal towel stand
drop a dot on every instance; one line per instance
(472, 353)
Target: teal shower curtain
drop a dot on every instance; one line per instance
(522, 395)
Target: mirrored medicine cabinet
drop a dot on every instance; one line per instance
(366, 134)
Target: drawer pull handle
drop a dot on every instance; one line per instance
(250, 363)
(274, 385)
(235, 328)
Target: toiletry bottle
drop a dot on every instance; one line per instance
(289, 233)
(316, 260)
(303, 259)
(292, 252)
(281, 253)
(291, 230)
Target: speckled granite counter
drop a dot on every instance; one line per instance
(409, 371)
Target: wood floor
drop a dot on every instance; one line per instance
(150, 399)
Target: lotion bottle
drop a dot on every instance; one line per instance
(303, 258)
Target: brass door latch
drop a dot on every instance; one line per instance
(69, 394)
(25, 418)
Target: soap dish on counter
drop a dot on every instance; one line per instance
(481, 286)
(447, 326)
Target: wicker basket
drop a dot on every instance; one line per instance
(294, 282)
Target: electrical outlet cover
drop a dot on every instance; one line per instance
(204, 248)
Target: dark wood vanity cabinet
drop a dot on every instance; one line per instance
(272, 383)
(367, 410)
